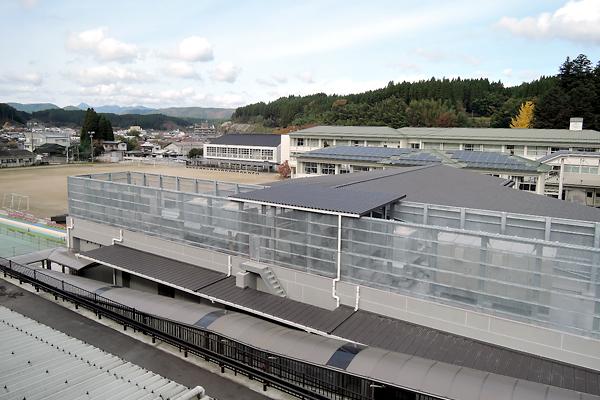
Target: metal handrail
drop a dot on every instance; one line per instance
(296, 377)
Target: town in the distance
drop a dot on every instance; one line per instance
(313, 200)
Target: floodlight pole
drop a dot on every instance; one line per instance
(92, 144)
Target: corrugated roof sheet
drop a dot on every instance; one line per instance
(347, 131)
(561, 153)
(504, 135)
(59, 255)
(217, 285)
(248, 139)
(407, 338)
(443, 185)
(171, 271)
(290, 310)
(39, 362)
(501, 135)
(319, 198)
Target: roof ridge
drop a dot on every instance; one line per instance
(382, 176)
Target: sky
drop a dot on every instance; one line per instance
(211, 53)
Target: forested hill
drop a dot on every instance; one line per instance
(75, 118)
(574, 92)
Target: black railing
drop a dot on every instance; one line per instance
(295, 377)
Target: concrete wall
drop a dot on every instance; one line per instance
(316, 290)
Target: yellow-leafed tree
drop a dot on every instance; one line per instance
(524, 118)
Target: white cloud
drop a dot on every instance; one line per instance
(29, 3)
(306, 77)
(31, 78)
(266, 82)
(182, 70)
(105, 74)
(577, 20)
(279, 78)
(180, 95)
(226, 72)
(507, 72)
(195, 48)
(104, 48)
(406, 66)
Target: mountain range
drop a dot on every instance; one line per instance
(209, 113)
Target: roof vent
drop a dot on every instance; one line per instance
(576, 124)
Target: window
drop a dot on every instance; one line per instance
(359, 168)
(586, 149)
(467, 147)
(510, 148)
(310, 168)
(325, 143)
(328, 169)
(415, 145)
(451, 146)
(432, 146)
(344, 169)
(357, 143)
(537, 151)
(555, 149)
(267, 154)
(573, 169)
(300, 142)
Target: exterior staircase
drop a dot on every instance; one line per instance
(267, 275)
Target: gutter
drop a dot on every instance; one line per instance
(339, 263)
(224, 302)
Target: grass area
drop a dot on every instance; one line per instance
(46, 186)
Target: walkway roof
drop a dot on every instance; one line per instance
(39, 362)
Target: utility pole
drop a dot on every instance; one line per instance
(92, 144)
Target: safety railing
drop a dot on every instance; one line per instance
(296, 377)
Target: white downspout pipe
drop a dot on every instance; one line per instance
(228, 266)
(119, 239)
(357, 297)
(70, 226)
(339, 263)
(560, 178)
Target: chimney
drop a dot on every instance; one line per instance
(576, 124)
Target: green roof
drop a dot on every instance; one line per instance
(500, 135)
(347, 131)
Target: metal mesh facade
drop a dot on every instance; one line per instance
(534, 269)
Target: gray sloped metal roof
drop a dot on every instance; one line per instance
(178, 273)
(328, 199)
(38, 362)
(444, 185)
(505, 135)
(248, 139)
(347, 131)
(561, 153)
(500, 135)
(60, 255)
(213, 284)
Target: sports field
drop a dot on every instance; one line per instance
(47, 186)
(14, 241)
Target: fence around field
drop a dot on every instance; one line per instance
(296, 377)
(538, 270)
(15, 242)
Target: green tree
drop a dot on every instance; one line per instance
(196, 152)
